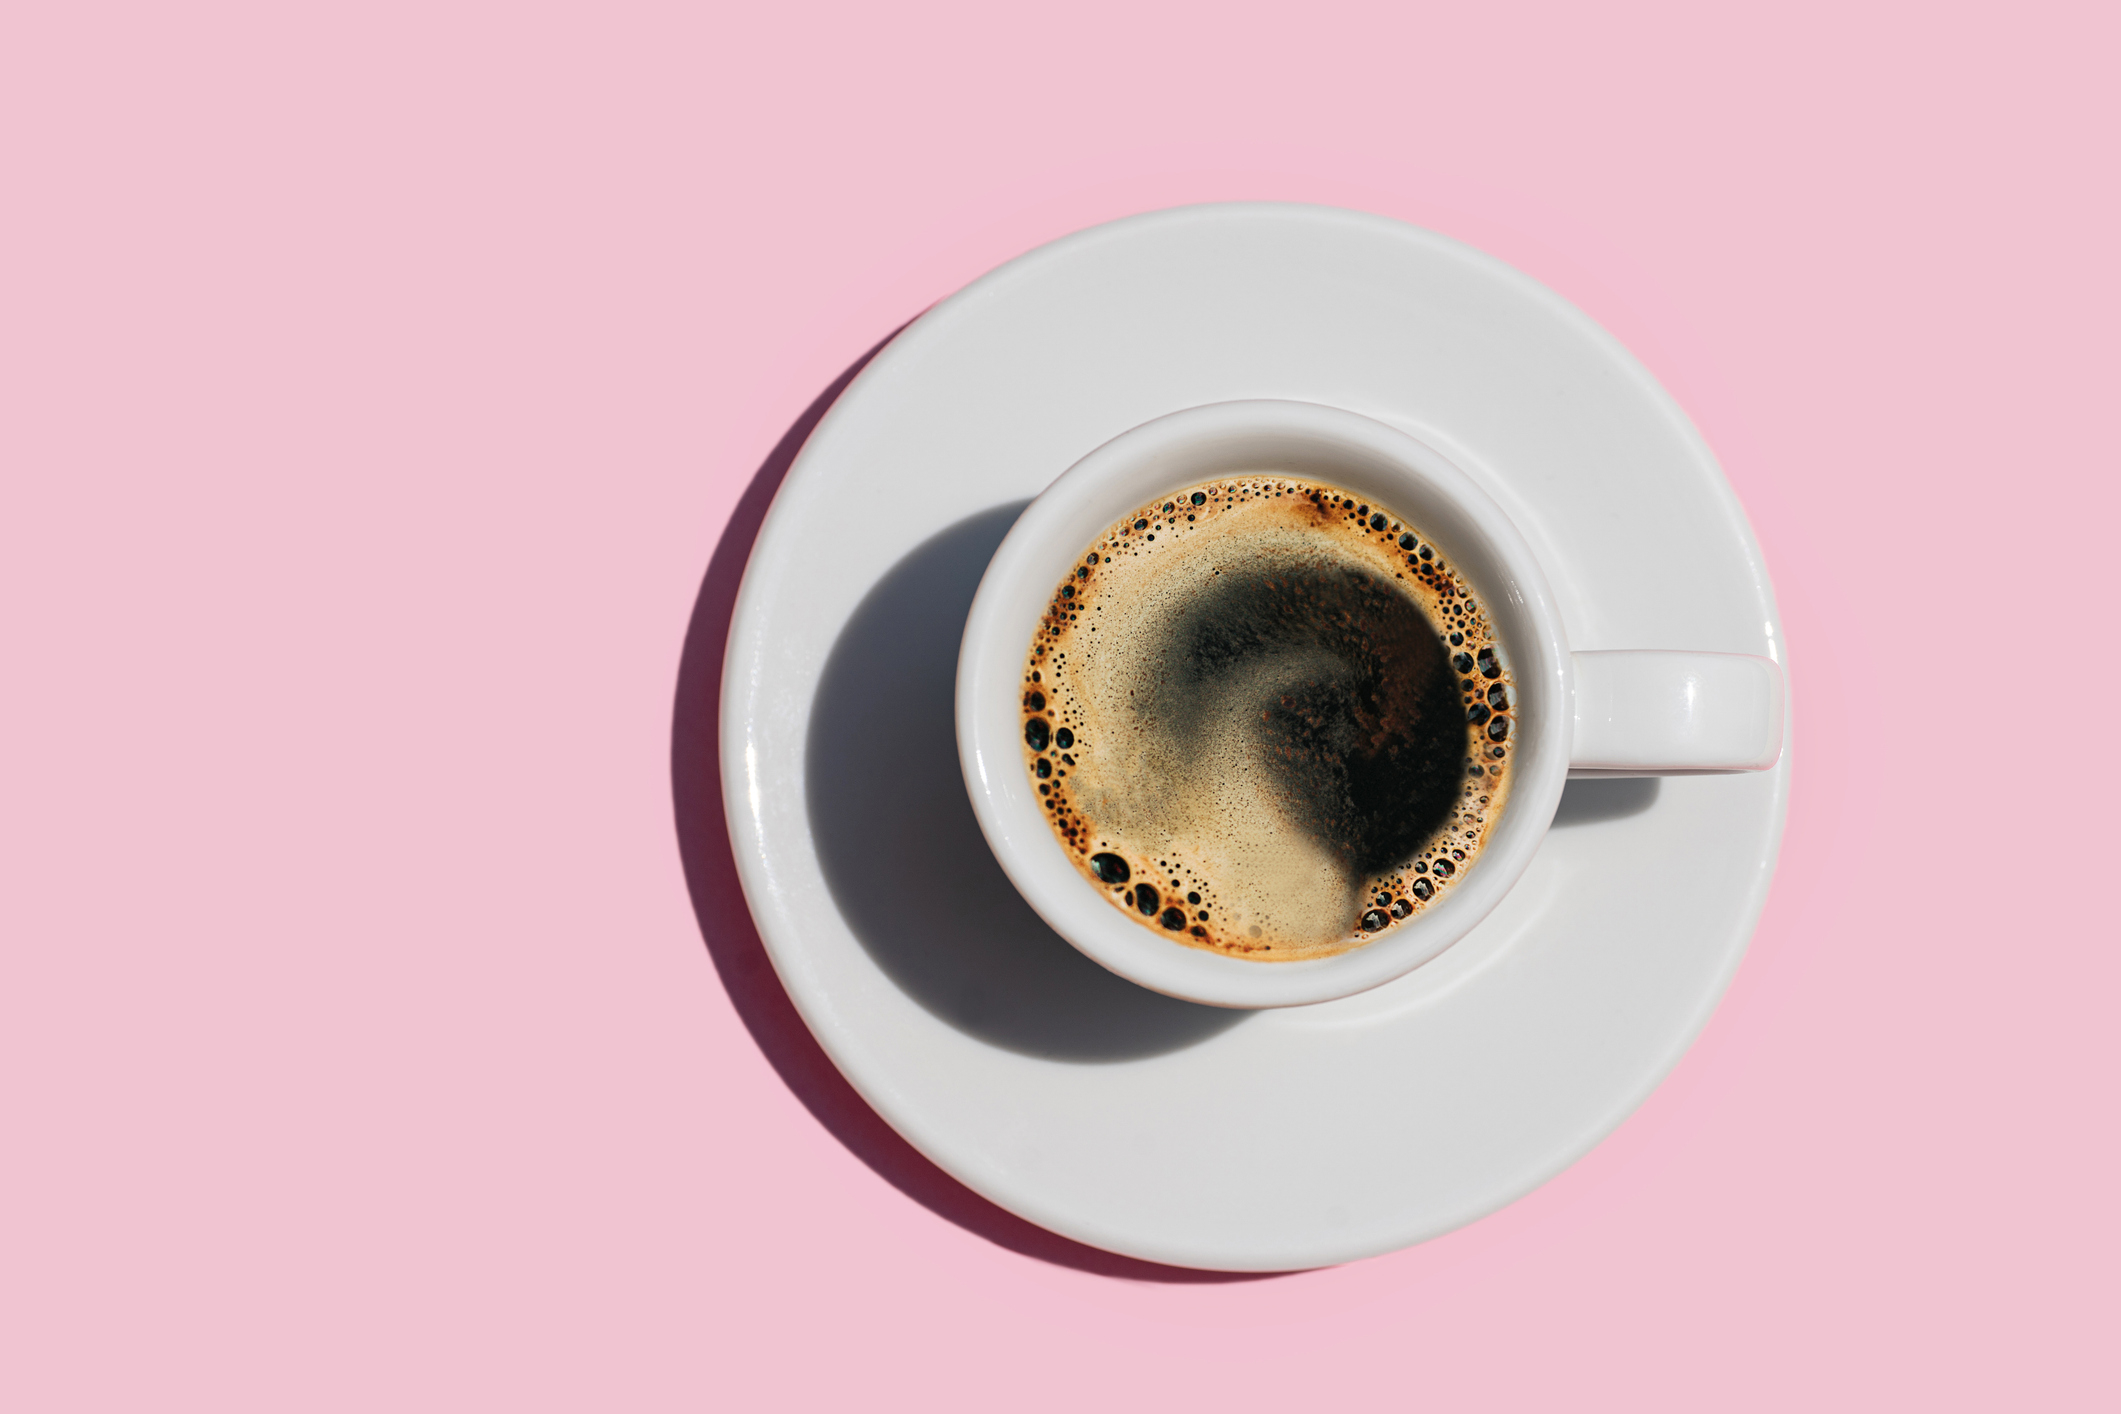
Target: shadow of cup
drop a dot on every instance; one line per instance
(904, 856)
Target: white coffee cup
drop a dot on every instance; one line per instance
(1606, 713)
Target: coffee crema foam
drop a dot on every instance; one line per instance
(1267, 719)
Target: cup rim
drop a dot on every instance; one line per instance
(1183, 448)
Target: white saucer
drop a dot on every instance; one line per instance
(1148, 1127)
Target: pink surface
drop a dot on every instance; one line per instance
(375, 391)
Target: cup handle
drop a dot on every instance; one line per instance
(1644, 713)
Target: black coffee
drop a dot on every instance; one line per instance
(1267, 718)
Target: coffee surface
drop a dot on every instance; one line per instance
(1267, 719)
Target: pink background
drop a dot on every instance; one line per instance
(376, 389)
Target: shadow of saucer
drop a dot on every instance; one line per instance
(732, 939)
(904, 855)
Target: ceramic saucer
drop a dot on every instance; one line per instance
(1142, 1125)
